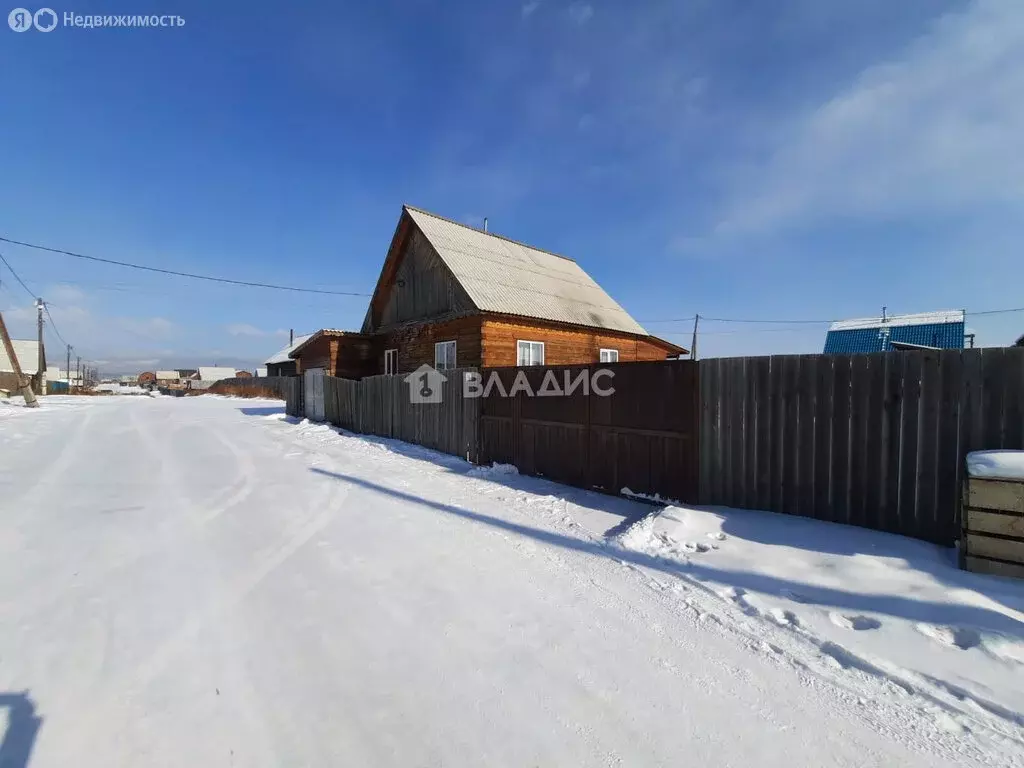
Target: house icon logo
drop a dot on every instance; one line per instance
(425, 385)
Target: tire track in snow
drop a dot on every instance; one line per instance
(112, 703)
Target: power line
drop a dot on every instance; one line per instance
(16, 277)
(995, 311)
(193, 276)
(806, 322)
(46, 307)
(53, 325)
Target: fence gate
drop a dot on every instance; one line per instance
(313, 381)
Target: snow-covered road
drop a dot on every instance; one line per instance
(198, 582)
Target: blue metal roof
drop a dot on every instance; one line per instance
(941, 330)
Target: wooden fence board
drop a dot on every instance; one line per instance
(875, 440)
(928, 443)
(823, 407)
(860, 415)
(874, 497)
(805, 441)
(948, 467)
(839, 508)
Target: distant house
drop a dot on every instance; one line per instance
(147, 377)
(212, 374)
(282, 364)
(187, 373)
(243, 375)
(168, 377)
(27, 352)
(450, 295)
(926, 330)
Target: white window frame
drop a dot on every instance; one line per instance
(611, 354)
(531, 345)
(442, 364)
(391, 361)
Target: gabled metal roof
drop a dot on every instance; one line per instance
(507, 277)
(282, 356)
(926, 330)
(27, 352)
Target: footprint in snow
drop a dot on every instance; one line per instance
(694, 546)
(717, 536)
(848, 621)
(784, 618)
(796, 597)
(954, 637)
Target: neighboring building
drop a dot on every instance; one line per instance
(187, 373)
(167, 377)
(147, 377)
(261, 373)
(1019, 342)
(927, 330)
(27, 352)
(243, 375)
(281, 364)
(212, 374)
(451, 296)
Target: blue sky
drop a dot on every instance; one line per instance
(793, 159)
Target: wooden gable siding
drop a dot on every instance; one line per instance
(415, 343)
(347, 357)
(563, 345)
(415, 286)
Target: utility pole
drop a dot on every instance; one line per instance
(693, 344)
(23, 382)
(67, 369)
(41, 369)
(78, 371)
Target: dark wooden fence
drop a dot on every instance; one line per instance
(642, 437)
(380, 405)
(872, 440)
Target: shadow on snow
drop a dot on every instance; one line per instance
(22, 727)
(893, 605)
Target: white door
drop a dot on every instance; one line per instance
(314, 384)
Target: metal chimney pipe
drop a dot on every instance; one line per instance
(291, 336)
(485, 223)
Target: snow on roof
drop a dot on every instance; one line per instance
(502, 275)
(282, 356)
(167, 375)
(996, 465)
(921, 318)
(216, 374)
(27, 352)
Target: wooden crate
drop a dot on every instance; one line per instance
(993, 523)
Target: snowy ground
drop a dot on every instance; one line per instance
(198, 581)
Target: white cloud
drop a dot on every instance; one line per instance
(936, 131)
(581, 13)
(150, 328)
(244, 329)
(529, 8)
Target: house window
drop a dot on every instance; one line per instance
(530, 353)
(444, 355)
(390, 362)
(609, 355)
